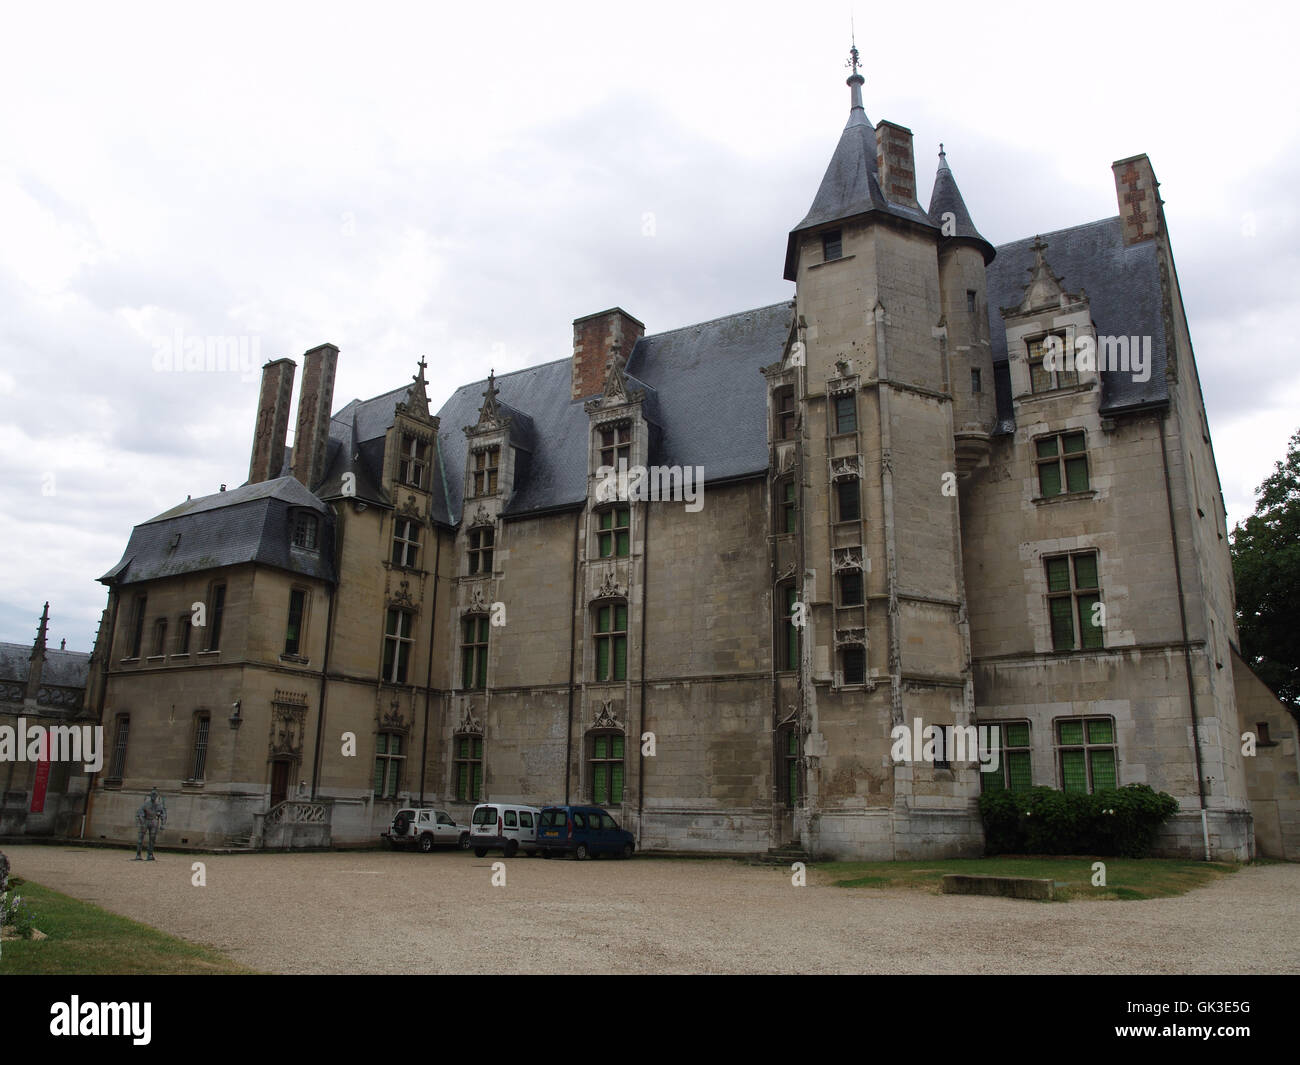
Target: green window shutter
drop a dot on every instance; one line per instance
(620, 618)
(1076, 474)
(1103, 768)
(478, 783)
(616, 783)
(602, 659)
(1017, 734)
(600, 792)
(1074, 775)
(600, 747)
(792, 780)
(623, 545)
(1049, 479)
(379, 776)
(1062, 624)
(791, 646)
(1091, 632)
(1019, 770)
(478, 748)
(617, 746)
(606, 544)
(1085, 571)
(602, 619)
(460, 783)
(467, 668)
(1071, 733)
(620, 658)
(1101, 731)
(1072, 443)
(606, 519)
(992, 781)
(1046, 447)
(1058, 574)
(482, 667)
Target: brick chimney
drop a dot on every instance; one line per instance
(895, 163)
(1139, 201)
(272, 421)
(593, 338)
(314, 403)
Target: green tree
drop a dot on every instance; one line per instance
(1266, 566)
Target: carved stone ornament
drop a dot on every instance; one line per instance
(846, 466)
(481, 516)
(850, 637)
(610, 588)
(847, 558)
(394, 720)
(402, 597)
(605, 716)
(288, 724)
(615, 391)
(469, 723)
(478, 603)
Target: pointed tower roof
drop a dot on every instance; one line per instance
(946, 200)
(850, 186)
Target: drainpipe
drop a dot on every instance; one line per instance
(645, 595)
(325, 664)
(1187, 649)
(573, 598)
(428, 679)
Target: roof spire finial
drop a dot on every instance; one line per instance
(855, 81)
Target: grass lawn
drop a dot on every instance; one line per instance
(1126, 878)
(84, 939)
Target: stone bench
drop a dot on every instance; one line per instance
(1010, 887)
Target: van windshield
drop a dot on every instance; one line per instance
(485, 815)
(553, 819)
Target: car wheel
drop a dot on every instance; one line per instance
(627, 851)
(580, 852)
(512, 848)
(480, 852)
(426, 843)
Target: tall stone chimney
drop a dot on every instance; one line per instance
(314, 402)
(272, 421)
(895, 163)
(1139, 201)
(593, 339)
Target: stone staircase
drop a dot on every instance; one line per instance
(239, 843)
(786, 854)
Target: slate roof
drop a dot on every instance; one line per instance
(248, 524)
(1123, 289)
(67, 669)
(704, 397)
(850, 187)
(945, 198)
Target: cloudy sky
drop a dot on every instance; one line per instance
(407, 180)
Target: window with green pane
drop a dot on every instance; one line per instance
(846, 414)
(397, 644)
(611, 641)
(473, 651)
(789, 630)
(1062, 464)
(469, 767)
(614, 525)
(1073, 598)
(790, 766)
(1015, 769)
(607, 768)
(1087, 754)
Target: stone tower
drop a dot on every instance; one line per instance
(868, 569)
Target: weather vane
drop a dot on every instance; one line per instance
(853, 61)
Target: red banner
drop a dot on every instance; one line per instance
(42, 777)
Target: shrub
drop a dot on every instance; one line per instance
(1114, 821)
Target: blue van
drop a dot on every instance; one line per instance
(583, 831)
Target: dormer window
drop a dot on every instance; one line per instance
(616, 446)
(1045, 377)
(832, 246)
(414, 461)
(613, 533)
(304, 531)
(485, 471)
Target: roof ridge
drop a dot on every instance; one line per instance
(1063, 229)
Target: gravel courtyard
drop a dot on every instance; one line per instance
(386, 912)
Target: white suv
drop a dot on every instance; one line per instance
(426, 829)
(504, 826)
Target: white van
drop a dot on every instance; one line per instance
(504, 826)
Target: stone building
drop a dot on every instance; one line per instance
(905, 497)
(42, 688)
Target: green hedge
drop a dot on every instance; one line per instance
(1112, 821)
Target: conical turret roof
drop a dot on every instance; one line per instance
(946, 200)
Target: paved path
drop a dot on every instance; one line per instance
(385, 912)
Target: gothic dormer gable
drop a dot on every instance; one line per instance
(416, 402)
(618, 390)
(1044, 290)
(491, 416)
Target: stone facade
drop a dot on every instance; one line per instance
(870, 508)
